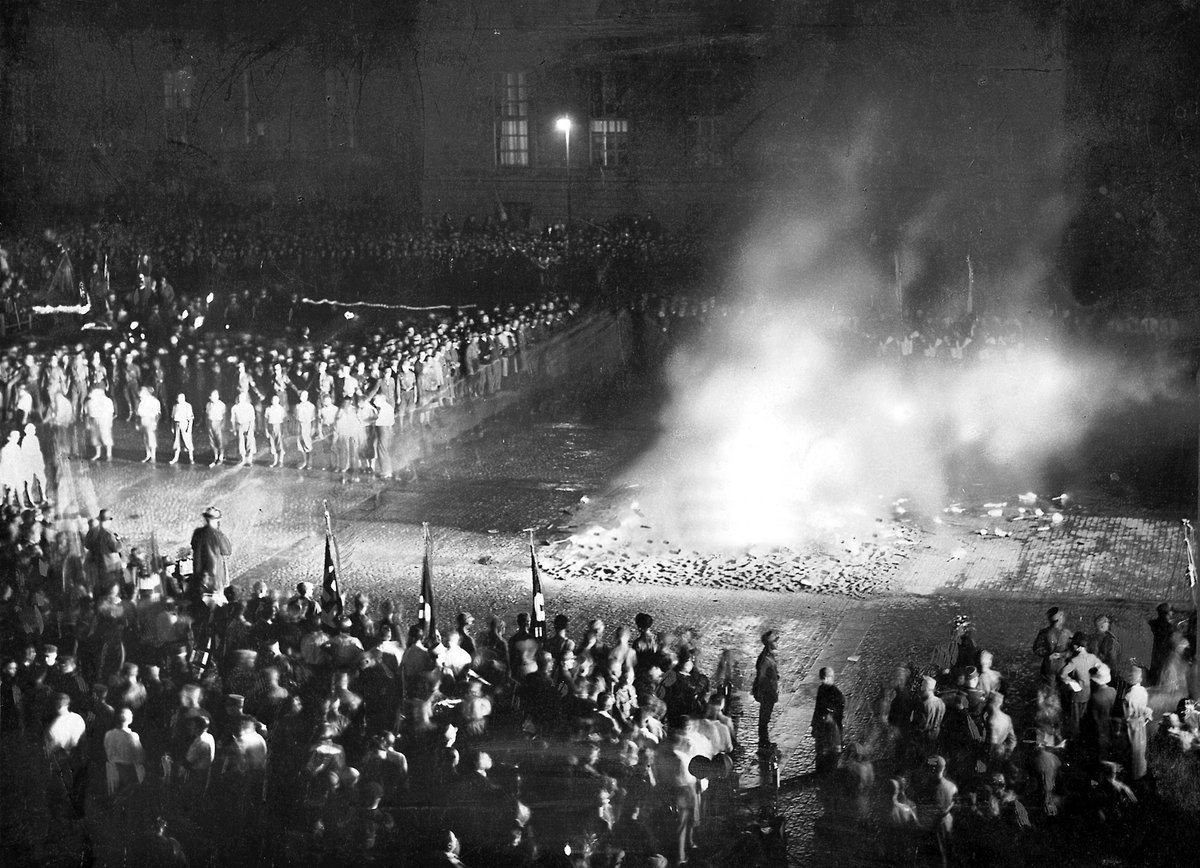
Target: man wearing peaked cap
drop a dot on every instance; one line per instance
(210, 548)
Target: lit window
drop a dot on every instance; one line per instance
(512, 119)
(610, 142)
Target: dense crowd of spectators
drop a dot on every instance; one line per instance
(257, 268)
(273, 723)
(961, 766)
(921, 337)
(275, 727)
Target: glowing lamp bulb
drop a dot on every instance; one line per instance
(349, 314)
(563, 124)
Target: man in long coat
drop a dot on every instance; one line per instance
(210, 548)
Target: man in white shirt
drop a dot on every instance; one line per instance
(455, 660)
(306, 417)
(126, 761)
(327, 417)
(65, 730)
(100, 413)
(199, 759)
(275, 416)
(149, 409)
(243, 429)
(385, 427)
(183, 417)
(214, 414)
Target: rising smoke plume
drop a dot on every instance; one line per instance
(775, 434)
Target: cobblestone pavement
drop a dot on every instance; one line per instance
(482, 476)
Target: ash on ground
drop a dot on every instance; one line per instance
(605, 541)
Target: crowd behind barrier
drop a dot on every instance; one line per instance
(159, 271)
(149, 724)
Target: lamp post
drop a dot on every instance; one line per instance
(563, 125)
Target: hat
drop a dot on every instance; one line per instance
(1164, 608)
(211, 512)
(1102, 674)
(50, 649)
(1052, 612)
(1080, 639)
(105, 515)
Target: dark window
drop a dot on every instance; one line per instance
(706, 146)
(610, 142)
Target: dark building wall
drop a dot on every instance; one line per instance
(950, 107)
(96, 109)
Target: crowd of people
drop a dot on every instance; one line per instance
(171, 272)
(338, 405)
(173, 718)
(918, 337)
(308, 726)
(962, 766)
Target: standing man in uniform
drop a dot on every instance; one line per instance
(306, 417)
(149, 409)
(214, 414)
(385, 426)
(103, 547)
(183, 418)
(275, 416)
(1052, 644)
(210, 548)
(100, 412)
(243, 429)
(766, 688)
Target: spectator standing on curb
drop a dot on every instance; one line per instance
(766, 688)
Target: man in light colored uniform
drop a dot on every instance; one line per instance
(149, 409)
(243, 429)
(214, 414)
(100, 413)
(306, 417)
(184, 418)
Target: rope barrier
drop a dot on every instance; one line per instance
(376, 304)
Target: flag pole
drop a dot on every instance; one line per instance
(537, 621)
(425, 600)
(899, 282)
(970, 287)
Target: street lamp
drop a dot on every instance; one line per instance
(563, 125)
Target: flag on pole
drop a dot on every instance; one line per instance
(425, 601)
(331, 589)
(537, 624)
